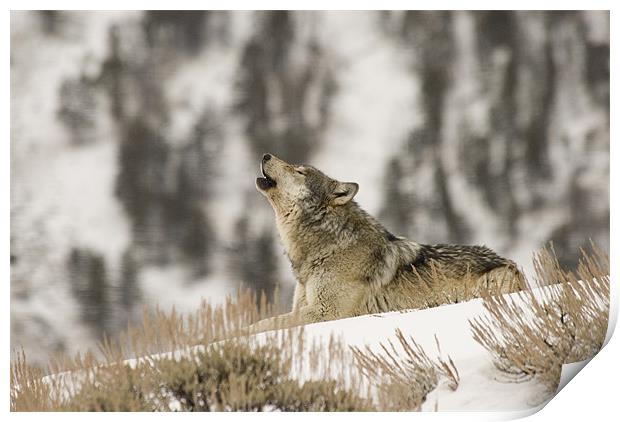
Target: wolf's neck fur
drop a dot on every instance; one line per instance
(312, 234)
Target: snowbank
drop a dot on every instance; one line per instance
(481, 388)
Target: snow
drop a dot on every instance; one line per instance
(155, 282)
(480, 388)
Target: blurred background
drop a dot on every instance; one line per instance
(136, 139)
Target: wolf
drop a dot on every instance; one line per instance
(347, 264)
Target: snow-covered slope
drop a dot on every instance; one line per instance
(482, 387)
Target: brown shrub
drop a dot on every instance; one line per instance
(403, 379)
(235, 375)
(534, 332)
(28, 390)
(221, 371)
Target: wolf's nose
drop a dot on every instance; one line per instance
(266, 157)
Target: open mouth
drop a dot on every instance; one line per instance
(265, 182)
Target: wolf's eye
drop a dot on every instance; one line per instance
(300, 172)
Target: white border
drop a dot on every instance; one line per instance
(592, 394)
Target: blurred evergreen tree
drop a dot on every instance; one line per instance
(77, 109)
(254, 259)
(431, 36)
(129, 289)
(273, 89)
(163, 185)
(183, 29)
(397, 212)
(89, 285)
(51, 21)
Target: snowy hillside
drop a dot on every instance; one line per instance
(136, 136)
(482, 387)
(444, 331)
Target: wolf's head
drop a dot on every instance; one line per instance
(289, 186)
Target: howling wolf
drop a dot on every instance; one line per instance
(347, 264)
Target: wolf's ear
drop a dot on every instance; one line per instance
(344, 192)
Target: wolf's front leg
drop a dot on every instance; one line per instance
(274, 323)
(303, 315)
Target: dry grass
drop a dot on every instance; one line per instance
(235, 375)
(215, 367)
(444, 290)
(447, 369)
(533, 333)
(28, 390)
(404, 377)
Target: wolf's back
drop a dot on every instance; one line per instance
(462, 259)
(460, 272)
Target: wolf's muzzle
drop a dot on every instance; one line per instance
(264, 183)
